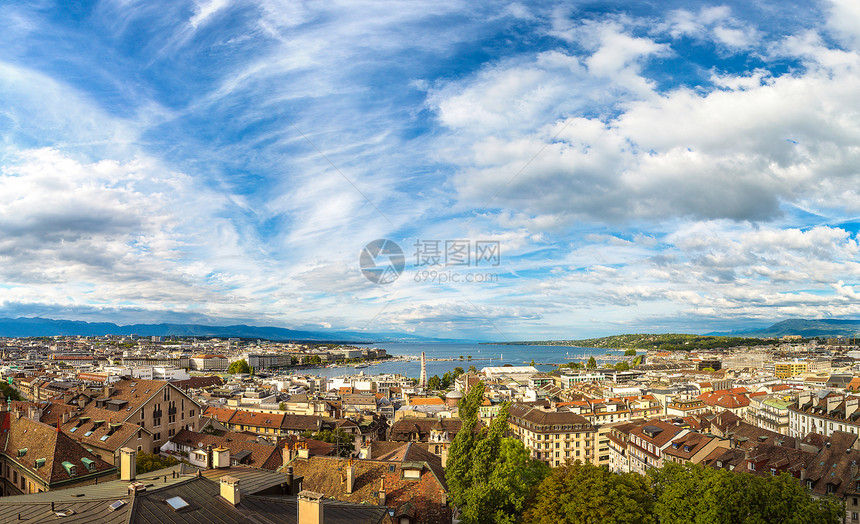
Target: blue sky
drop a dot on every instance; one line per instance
(643, 166)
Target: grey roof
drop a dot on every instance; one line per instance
(201, 494)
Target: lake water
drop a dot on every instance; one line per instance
(483, 355)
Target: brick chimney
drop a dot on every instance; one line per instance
(310, 508)
(382, 491)
(230, 490)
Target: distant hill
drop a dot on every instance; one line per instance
(807, 328)
(45, 327)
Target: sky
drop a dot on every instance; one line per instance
(547, 169)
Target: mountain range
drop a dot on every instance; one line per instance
(44, 327)
(807, 328)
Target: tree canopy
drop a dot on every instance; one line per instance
(691, 494)
(147, 462)
(239, 366)
(344, 441)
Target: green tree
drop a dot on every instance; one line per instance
(469, 356)
(282, 406)
(489, 475)
(239, 366)
(344, 441)
(9, 392)
(637, 361)
(473, 370)
(591, 363)
(622, 366)
(630, 353)
(446, 380)
(434, 383)
(583, 493)
(458, 371)
(533, 363)
(147, 462)
(694, 493)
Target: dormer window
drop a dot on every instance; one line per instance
(22, 452)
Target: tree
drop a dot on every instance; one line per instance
(8, 392)
(434, 383)
(473, 370)
(622, 366)
(458, 371)
(469, 356)
(694, 493)
(489, 476)
(239, 366)
(446, 381)
(637, 361)
(591, 363)
(147, 462)
(630, 353)
(533, 363)
(282, 406)
(344, 441)
(708, 369)
(583, 493)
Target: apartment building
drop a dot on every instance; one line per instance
(770, 413)
(647, 443)
(138, 414)
(791, 368)
(824, 412)
(553, 437)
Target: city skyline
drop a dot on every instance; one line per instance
(608, 167)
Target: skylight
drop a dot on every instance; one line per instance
(176, 503)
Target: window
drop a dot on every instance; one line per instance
(156, 437)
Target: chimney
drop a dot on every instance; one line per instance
(304, 453)
(106, 391)
(382, 491)
(832, 402)
(851, 405)
(350, 478)
(18, 413)
(444, 455)
(209, 456)
(290, 478)
(127, 464)
(67, 397)
(65, 417)
(803, 398)
(310, 508)
(230, 490)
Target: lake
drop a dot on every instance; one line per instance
(483, 355)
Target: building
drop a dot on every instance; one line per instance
(205, 362)
(693, 447)
(771, 414)
(648, 441)
(790, 368)
(181, 494)
(138, 414)
(36, 457)
(409, 480)
(824, 412)
(553, 437)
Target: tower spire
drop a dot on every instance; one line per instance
(423, 381)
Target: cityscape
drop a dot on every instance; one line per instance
(442, 262)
